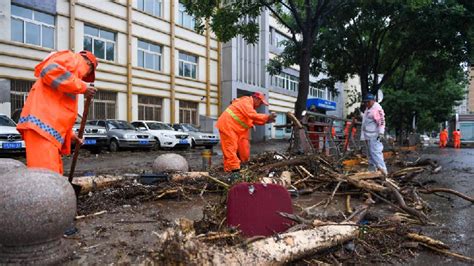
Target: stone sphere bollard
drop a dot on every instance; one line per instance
(37, 207)
(170, 162)
(7, 165)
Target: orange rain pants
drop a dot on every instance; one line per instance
(42, 153)
(234, 125)
(457, 139)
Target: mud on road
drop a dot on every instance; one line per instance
(128, 231)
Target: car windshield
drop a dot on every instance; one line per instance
(119, 124)
(6, 122)
(189, 127)
(158, 126)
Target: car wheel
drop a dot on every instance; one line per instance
(193, 144)
(157, 145)
(113, 146)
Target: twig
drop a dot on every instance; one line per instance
(332, 195)
(348, 204)
(225, 185)
(447, 190)
(448, 253)
(90, 215)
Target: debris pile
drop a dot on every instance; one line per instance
(375, 224)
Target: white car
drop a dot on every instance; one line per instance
(10, 138)
(165, 135)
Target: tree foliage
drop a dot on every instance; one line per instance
(374, 38)
(302, 18)
(413, 92)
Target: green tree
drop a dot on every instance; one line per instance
(375, 38)
(413, 92)
(302, 18)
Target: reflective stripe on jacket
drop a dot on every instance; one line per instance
(51, 106)
(240, 116)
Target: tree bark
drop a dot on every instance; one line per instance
(303, 86)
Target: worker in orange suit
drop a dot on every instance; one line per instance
(443, 138)
(50, 110)
(234, 125)
(346, 134)
(457, 139)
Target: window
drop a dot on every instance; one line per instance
(187, 65)
(184, 19)
(100, 42)
(32, 27)
(318, 93)
(277, 39)
(188, 112)
(149, 108)
(103, 106)
(152, 7)
(149, 55)
(18, 93)
(285, 81)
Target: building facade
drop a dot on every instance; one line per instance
(152, 64)
(244, 72)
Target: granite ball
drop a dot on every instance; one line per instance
(170, 162)
(7, 165)
(37, 207)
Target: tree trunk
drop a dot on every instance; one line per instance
(303, 86)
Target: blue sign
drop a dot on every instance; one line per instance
(321, 103)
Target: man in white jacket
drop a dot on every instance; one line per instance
(373, 130)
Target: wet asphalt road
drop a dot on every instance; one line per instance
(454, 216)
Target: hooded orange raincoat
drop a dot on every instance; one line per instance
(457, 139)
(234, 125)
(50, 110)
(443, 138)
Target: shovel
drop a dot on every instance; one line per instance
(77, 188)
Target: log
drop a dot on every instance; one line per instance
(179, 248)
(91, 183)
(367, 175)
(401, 201)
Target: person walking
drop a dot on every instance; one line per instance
(443, 138)
(373, 130)
(50, 110)
(457, 139)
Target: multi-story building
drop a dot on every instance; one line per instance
(152, 64)
(244, 72)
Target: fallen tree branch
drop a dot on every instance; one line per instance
(279, 250)
(427, 240)
(449, 253)
(421, 216)
(446, 190)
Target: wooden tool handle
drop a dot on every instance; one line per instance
(80, 135)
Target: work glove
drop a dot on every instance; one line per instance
(380, 137)
(271, 117)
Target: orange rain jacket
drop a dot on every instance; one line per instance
(234, 124)
(457, 138)
(51, 107)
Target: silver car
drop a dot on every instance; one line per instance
(122, 134)
(10, 138)
(198, 138)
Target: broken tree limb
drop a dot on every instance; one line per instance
(446, 190)
(449, 253)
(268, 251)
(401, 201)
(91, 183)
(427, 240)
